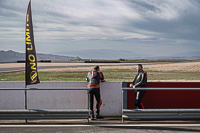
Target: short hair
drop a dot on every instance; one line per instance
(140, 65)
(96, 67)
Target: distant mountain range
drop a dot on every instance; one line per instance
(95, 54)
(104, 54)
(125, 54)
(15, 56)
(188, 54)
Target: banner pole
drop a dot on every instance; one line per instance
(25, 98)
(26, 101)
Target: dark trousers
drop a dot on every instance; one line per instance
(95, 92)
(138, 98)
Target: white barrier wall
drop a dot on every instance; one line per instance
(61, 99)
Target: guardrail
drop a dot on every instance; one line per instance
(159, 113)
(45, 113)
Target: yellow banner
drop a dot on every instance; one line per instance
(31, 60)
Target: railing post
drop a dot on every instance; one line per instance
(88, 104)
(122, 103)
(25, 91)
(25, 101)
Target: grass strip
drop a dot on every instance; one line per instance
(109, 74)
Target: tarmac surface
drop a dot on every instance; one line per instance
(108, 124)
(12, 67)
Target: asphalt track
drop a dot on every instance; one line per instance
(67, 65)
(100, 129)
(111, 125)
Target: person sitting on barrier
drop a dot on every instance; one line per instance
(93, 79)
(140, 81)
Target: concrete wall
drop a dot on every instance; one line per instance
(61, 99)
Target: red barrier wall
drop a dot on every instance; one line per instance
(161, 99)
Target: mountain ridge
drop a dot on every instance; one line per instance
(10, 55)
(16, 56)
(126, 54)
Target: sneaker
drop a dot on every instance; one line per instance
(92, 117)
(99, 117)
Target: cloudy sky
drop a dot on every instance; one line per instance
(150, 27)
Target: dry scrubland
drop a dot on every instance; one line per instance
(186, 71)
(168, 72)
(181, 67)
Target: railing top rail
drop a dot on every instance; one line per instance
(160, 88)
(54, 88)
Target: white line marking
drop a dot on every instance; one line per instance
(12, 71)
(108, 125)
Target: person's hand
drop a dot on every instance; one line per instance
(103, 80)
(131, 85)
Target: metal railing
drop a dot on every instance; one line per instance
(160, 88)
(159, 113)
(36, 114)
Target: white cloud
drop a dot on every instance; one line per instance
(108, 23)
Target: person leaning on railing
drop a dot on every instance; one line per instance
(94, 78)
(140, 81)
